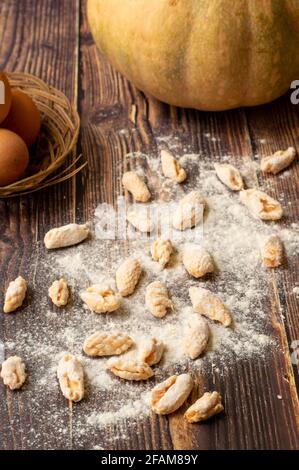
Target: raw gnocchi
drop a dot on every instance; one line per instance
(208, 304)
(161, 251)
(204, 408)
(141, 220)
(229, 175)
(260, 205)
(197, 337)
(130, 369)
(278, 161)
(171, 167)
(101, 343)
(197, 260)
(59, 293)
(13, 372)
(136, 186)
(157, 300)
(15, 294)
(67, 235)
(127, 276)
(190, 211)
(152, 351)
(272, 251)
(169, 395)
(101, 298)
(70, 375)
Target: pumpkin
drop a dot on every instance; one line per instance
(205, 54)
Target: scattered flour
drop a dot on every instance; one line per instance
(132, 408)
(229, 233)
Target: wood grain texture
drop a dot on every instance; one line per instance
(39, 38)
(52, 40)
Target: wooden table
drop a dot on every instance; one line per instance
(51, 39)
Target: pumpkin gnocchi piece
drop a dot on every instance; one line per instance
(229, 175)
(189, 212)
(67, 235)
(141, 220)
(260, 205)
(208, 304)
(170, 395)
(101, 343)
(171, 167)
(157, 300)
(161, 251)
(70, 375)
(278, 161)
(59, 293)
(15, 294)
(127, 276)
(130, 369)
(13, 372)
(197, 260)
(136, 186)
(272, 251)
(152, 351)
(204, 408)
(101, 298)
(197, 337)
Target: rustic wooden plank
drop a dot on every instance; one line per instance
(39, 38)
(259, 384)
(275, 127)
(254, 417)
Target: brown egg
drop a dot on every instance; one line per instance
(14, 157)
(23, 117)
(5, 96)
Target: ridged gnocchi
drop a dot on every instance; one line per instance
(157, 300)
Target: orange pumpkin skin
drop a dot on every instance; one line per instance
(205, 54)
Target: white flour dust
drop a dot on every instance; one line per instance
(232, 237)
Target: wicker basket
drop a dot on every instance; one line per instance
(57, 140)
